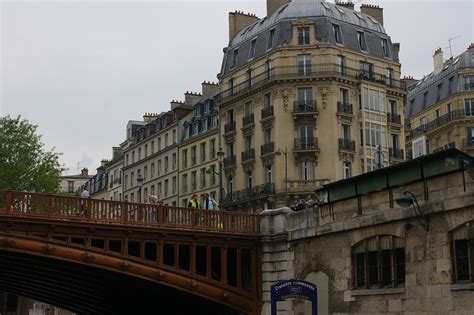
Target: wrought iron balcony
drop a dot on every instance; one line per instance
(229, 161)
(395, 153)
(293, 73)
(267, 112)
(308, 106)
(247, 120)
(248, 155)
(267, 148)
(394, 118)
(306, 144)
(441, 121)
(250, 193)
(346, 144)
(229, 127)
(344, 108)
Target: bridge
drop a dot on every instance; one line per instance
(108, 257)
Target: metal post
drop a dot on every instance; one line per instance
(286, 174)
(220, 185)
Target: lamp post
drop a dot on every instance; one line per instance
(407, 199)
(220, 158)
(285, 153)
(140, 184)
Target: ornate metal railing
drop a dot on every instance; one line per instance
(344, 108)
(309, 143)
(442, 120)
(394, 118)
(248, 155)
(49, 206)
(267, 148)
(260, 77)
(346, 144)
(251, 193)
(230, 161)
(267, 112)
(308, 106)
(247, 120)
(229, 127)
(395, 153)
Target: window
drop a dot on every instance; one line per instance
(469, 106)
(373, 99)
(152, 190)
(203, 152)
(346, 169)
(375, 134)
(337, 33)
(185, 158)
(166, 164)
(303, 36)
(344, 96)
(212, 148)
(193, 155)
(152, 147)
(230, 184)
(234, 58)
(450, 85)
(248, 179)
(145, 172)
(166, 188)
(139, 154)
(341, 64)
(389, 77)
(193, 181)
(269, 174)
(423, 122)
(70, 186)
(267, 100)
(307, 170)
(173, 185)
(159, 189)
(462, 249)
(271, 36)
(305, 96)
(267, 135)
(214, 121)
(469, 83)
(231, 86)
(146, 150)
(133, 156)
(253, 45)
(203, 178)
(379, 262)
(438, 92)
(361, 40)
(204, 125)
(268, 69)
(346, 132)
(393, 107)
(195, 129)
(249, 78)
(213, 174)
(125, 181)
(174, 137)
(419, 147)
(159, 167)
(366, 70)
(304, 64)
(185, 183)
(385, 47)
(173, 161)
(425, 98)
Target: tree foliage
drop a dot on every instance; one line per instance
(25, 165)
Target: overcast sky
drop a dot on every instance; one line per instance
(81, 69)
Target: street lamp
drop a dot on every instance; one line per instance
(285, 153)
(407, 199)
(220, 158)
(140, 184)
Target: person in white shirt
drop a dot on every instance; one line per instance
(209, 202)
(84, 195)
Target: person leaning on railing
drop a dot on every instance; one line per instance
(84, 196)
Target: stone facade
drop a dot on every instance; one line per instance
(320, 245)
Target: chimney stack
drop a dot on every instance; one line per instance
(374, 11)
(209, 89)
(395, 51)
(273, 5)
(174, 104)
(149, 117)
(238, 20)
(104, 162)
(84, 172)
(438, 61)
(409, 81)
(347, 4)
(191, 98)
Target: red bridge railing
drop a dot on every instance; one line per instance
(126, 213)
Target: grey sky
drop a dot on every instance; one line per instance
(82, 69)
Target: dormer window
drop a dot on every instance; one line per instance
(385, 48)
(303, 35)
(195, 128)
(253, 45)
(271, 35)
(234, 58)
(337, 33)
(361, 40)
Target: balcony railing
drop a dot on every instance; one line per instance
(468, 143)
(229, 127)
(306, 144)
(248, 155)
(394, 118)
(395, 153)
(293, 72)
(346, 144)
(308, 106)
(469, 86)
(229, 161)
(250, 193)
(442, 120)
(267, 112)
(267, 148)
(344, 108)
(247, 120)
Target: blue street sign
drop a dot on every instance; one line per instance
(294, 288)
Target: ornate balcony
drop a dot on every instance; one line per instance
(248, 155)
(344, 109)
(248, 120)
(396, 154)
(267, 112)
(443, 120)
(309, 144)
(267, 148)
(251, 193)
(304, 107)
(346, 144)
(229, 127)
(394, 119)
(230, 161)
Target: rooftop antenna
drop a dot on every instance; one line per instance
(451, 46)
(78, 167)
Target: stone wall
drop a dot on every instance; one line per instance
(316, 245)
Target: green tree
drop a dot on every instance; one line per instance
(25, 165)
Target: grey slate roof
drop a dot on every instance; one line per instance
(429, 84)
(324, 14)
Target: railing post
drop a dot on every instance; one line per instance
(125, 212)
(50, 205)
(88, 208)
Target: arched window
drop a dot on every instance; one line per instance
(462, 246)
(379, 262)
